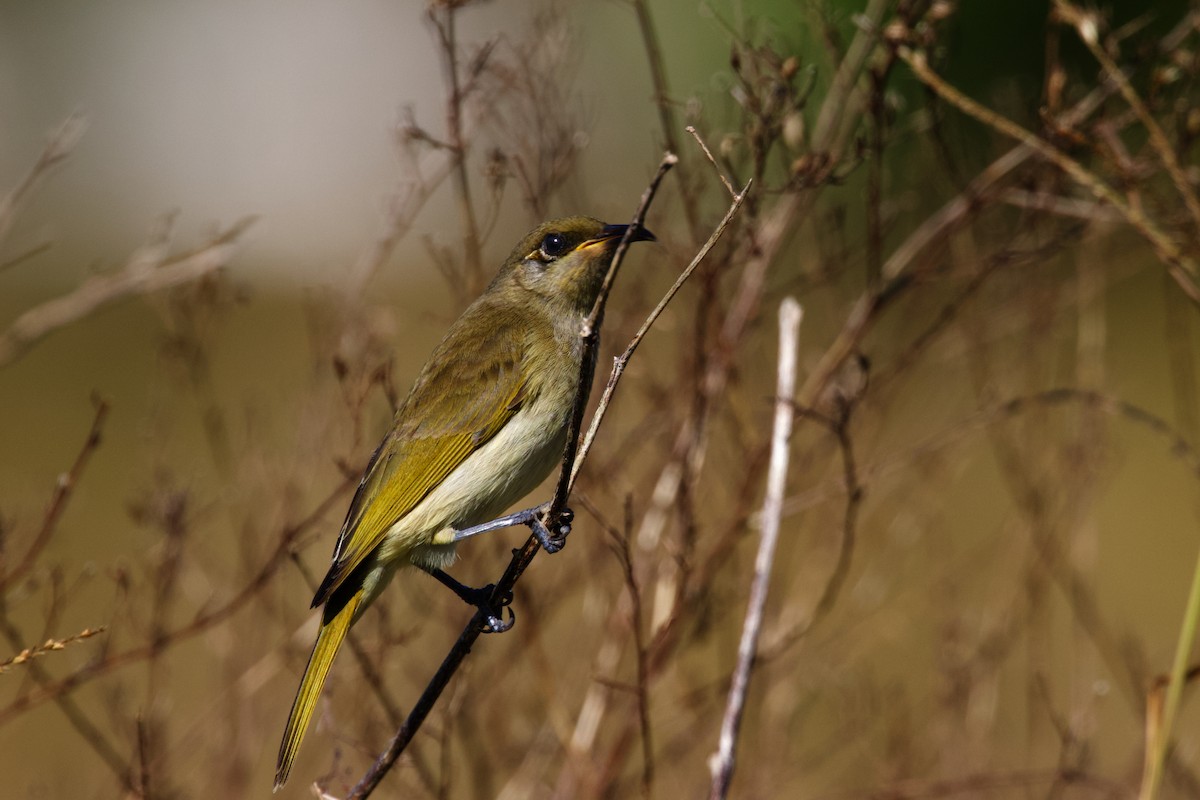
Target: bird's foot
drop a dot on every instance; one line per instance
(552, 542)
(481, 598)
(493, 612)
(493, 619)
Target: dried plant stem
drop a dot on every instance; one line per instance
(708, 154)
(722, 762)
(1182, 266)
(57, 149)
(829, 134)
(1158, 744)
(620, 362)
(409, 198)
(86, 729)
(574, 455)
(149, 270)
(58, 502)
(938, 224)
(444, 19)
(662, 100)
(49, 646)
(1085, 25)
(287, 542)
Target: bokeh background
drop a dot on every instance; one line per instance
(248, 227)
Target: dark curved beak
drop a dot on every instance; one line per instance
(617, 231)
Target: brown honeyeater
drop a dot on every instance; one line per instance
(484, 423)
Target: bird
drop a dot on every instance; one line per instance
(484, 423)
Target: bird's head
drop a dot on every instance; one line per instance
(564, 261)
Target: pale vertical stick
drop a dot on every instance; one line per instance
(1158, 731)
(721, 762)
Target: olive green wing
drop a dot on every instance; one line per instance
(456, 406)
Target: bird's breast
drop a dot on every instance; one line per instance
(495, 476)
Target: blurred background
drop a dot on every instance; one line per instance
(232, 232)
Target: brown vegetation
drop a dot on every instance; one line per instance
(935, 620)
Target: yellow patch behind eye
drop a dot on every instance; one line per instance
(594, 242)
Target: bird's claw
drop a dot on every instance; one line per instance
(553, 542)
(495, 623)
(493, 610)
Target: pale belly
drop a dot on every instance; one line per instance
(492, 479)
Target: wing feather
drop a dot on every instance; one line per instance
(455, 407)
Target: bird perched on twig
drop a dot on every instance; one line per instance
(484, 424)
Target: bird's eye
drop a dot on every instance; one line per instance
(554, 245)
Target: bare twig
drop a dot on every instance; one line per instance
(78, 720)
(620, 362)
(590, 335)
(149, 270)
(1158, 744)
(621, 546)
(58, 501)
(828, 134)
(722, 762)
(666, 113)
(47, 647)
(57, 149)
(953, 213)
(410, 197)
(444, 17)
(288, 540)
(143, 758)
(1181, 265)
(708, 154)
(1086, 26)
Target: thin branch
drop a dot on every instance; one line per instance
(953, 213)
(25, 255)
(722, 763)
(57, 149)
(444, 17)
(708, 154)
(143, 758)
(148, 270)
(1182, 266)
(828, 134)
(1086, 26)
(49, 646)
(58, 501)
(622, 360)
(641, 691)
(78, 720)
(590, 335)
(854, 495)
(1159, 743)
(289, 539)
(662, 100)
(409, 198)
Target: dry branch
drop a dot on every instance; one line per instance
(63, 488)
(57, 149)
(150, 269)
(1181, 265)
(722, 762)
(47, 647)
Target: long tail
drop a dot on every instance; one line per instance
(329, 640)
